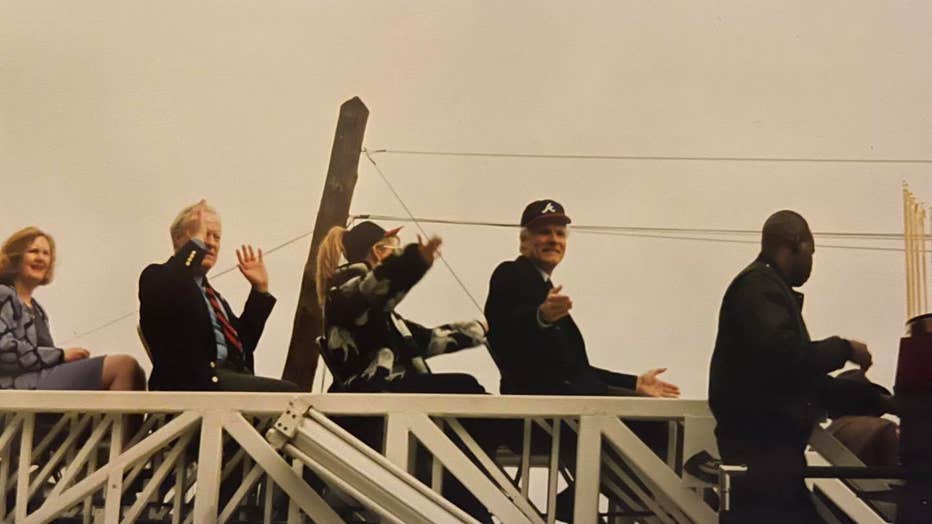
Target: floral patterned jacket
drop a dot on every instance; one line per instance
(367, 343)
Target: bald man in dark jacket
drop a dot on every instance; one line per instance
(769, 382)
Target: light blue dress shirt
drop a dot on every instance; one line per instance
(222, 350)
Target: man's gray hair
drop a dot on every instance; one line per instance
(179, 227)
(523, 237)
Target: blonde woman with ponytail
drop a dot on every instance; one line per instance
(329, 257)
(362, 275)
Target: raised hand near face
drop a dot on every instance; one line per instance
(196, 223)
(252, 267)
(555, 306)
(429, 249)
(649, 385)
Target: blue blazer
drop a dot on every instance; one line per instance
(176, 324)
(22, 359)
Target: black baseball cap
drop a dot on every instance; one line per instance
(544, 211)
(359, 240)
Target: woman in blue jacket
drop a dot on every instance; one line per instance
(29, 358)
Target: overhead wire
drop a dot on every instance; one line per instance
(664, 233)
(412, 218)
(589, 227)
(735, 241)
(677, 158)
(628, 231)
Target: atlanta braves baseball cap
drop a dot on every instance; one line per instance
(544, 211)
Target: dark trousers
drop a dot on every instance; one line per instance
(773, 490)
(655, 434)
(488, 433)
(232, 380)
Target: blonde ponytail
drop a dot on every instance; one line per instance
(328, 258)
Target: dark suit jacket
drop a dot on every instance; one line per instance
(177, 326)
(768, 379)
(531, 358)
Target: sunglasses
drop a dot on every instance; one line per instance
(388, 247)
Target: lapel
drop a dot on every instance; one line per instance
(202, 321)
(566, 327)
(24, 324)
(538, 285)
(227, 311)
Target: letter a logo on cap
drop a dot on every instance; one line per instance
(545, 210)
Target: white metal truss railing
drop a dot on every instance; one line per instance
(202, 457)
(118, 457)
(232, 457)
(606, 456)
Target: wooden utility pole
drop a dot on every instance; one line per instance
(342, 173)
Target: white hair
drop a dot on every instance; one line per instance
(179, 227)
(523, 238)
(525, 235)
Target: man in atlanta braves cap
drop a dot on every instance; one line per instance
(536, 344)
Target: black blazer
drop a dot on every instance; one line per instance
(768, 378)
(176, 324)
(531, 358)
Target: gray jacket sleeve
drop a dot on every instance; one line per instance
(19, 351)
(447, 338)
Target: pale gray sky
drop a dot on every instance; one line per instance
(114, 115)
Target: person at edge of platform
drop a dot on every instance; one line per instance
(538, 348)
(195, 340)
(769, 382)
(29, 358)
(362, 276)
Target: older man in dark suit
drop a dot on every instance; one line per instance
(195, 339)
(536, 344)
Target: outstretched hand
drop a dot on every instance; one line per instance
(252, 267)
(555, 306)
(649, 385)
(429, 250)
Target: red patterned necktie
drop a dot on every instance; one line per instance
(229, 332)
